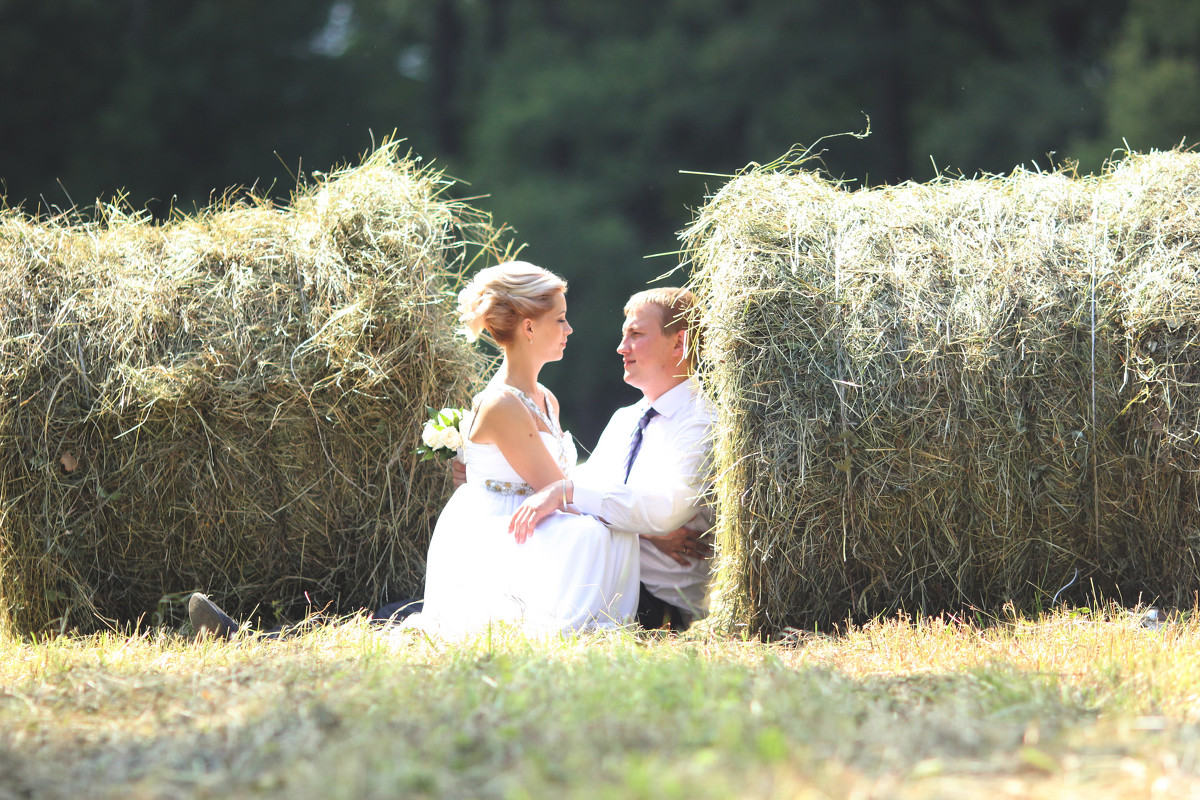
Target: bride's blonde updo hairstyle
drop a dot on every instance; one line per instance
(499, 297)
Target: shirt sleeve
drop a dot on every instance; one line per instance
(658, 505)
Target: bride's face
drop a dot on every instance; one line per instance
(550, 330)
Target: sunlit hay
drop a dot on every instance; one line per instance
(952, 394)
(229, 401)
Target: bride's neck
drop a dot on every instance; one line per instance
(519, 376)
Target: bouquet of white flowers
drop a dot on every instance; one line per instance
(441, 436)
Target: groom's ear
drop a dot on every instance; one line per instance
(679, 348)
(684, 352)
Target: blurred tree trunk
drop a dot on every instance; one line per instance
(895, 94)
(496, 25)
(446, 55)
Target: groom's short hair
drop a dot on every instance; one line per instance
(674, 306)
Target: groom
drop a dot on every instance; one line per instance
(649, 471)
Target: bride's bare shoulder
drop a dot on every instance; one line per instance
(496, 408)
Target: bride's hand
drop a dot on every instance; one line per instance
(536, 508)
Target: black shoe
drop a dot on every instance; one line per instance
(396, 612)
(207, 618)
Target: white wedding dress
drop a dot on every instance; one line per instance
(572, 573)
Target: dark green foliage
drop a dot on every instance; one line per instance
(575, 118)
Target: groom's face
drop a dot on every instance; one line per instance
(652, 358)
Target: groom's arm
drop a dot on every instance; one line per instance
(656, 506)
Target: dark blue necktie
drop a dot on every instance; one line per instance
(636, 444)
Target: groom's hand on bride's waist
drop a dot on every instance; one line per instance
(459, 471)
(682, 545)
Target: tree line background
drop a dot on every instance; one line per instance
(580, 124)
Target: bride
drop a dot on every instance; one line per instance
(572, 572)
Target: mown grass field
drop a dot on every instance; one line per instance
(1072, 704)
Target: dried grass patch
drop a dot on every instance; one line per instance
(953, 394)
(229, 401)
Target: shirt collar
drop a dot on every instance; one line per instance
(675, 398)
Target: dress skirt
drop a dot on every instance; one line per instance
(573, 573)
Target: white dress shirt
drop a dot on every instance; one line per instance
(665, 488)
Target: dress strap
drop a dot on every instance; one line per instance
(543, 415)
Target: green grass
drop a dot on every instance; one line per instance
(1087, 705)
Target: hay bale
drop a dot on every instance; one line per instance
(953, 394)
(229, 401)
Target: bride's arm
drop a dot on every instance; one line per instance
(504, 421)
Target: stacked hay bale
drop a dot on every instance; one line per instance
(229, 402)
(953, 394)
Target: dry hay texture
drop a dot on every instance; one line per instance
(229, 402)
(952, 395)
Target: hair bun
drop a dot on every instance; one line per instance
(498, 297)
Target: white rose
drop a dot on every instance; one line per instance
(430, 436)
(452, 438)
(439, 439)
